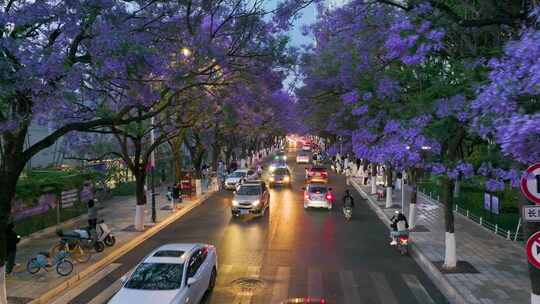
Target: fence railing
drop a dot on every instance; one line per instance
(516, 235)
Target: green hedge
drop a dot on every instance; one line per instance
(124, 189)
(472, 198)
(35, 183)
(38, 222)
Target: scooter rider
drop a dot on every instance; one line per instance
(348, 200)
(399, 226)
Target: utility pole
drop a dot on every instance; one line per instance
(153, 166)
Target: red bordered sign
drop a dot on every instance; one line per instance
(530, 183)
(533, 249)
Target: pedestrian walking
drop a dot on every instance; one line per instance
(92, 214)
(11, 246)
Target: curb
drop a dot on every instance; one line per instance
(449, 291)
(94, 268)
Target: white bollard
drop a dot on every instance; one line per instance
(139, 217)
(388, 197)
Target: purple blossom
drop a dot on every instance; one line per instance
(350, 97)
(494, 185)
(361, 110)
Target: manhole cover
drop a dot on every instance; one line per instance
(247, 286)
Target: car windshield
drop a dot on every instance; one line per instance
(156, 276)
(302, 154)
(238, 174)
(318, 169)
(249, 190)
(317, 189)
(281, 171)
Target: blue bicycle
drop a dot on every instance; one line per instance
(43, 260)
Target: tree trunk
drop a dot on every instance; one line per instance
(389, 187)
(412, 178)
(373, 179)
(450, 259)
(177, 159)
(140, 194)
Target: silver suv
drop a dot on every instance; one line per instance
(252, 197)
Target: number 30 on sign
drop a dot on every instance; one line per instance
(530, 183)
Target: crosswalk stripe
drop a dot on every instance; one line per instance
(348, 285)
(280, 290)
(73, 293)
(315, 283)
(417, 289)
(383, 288)
(106, 294)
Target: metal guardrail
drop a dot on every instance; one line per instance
(508, 234)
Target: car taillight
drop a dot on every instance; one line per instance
(404, 239)
(325, 174)
(329, 196)
(306, 196)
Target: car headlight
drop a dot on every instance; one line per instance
(271, 178)
(286, 179)
(272, 168)
(284, 157)
(235, 203)
(256, 203)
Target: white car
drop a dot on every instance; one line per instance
(318, 196)
(302, 158)
(171, 274)
(237, 177)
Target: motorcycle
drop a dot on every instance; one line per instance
(403, 244)
(84, 236)
(347, 211)
(104, 234)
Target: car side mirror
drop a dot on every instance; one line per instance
(191, 281)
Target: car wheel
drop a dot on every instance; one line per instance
(212, 281)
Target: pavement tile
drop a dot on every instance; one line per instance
(117, 213)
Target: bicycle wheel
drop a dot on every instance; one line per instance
(64, 267)
(79, 254)
(32, 266)
(110, 240)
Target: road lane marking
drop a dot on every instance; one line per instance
(418, 290)
(315, 288)
(348, 286)
(108, 293)
(280, 291)
(384, 291)
(73, 293)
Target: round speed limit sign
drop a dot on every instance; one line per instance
(530, 183)
(533, 250)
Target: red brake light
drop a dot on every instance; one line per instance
(403, 238)
(329, 196)
(324, 173)
(306, 196)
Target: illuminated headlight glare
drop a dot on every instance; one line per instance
(235, 203)
(256, 203)
(284, 157)
(286, 179)
(272, 168)
(271, 178)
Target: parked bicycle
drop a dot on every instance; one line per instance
(72, 245)
(44, 261)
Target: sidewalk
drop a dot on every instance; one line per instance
(491, 269)
(118, 213)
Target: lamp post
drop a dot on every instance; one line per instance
(153, 168)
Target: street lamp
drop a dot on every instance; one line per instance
(153, 167)
(186, 52)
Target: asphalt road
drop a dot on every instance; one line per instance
(292, 253)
